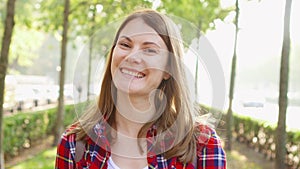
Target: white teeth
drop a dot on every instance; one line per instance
(136, 74)
(140, 75)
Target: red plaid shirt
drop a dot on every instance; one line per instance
(210, 154)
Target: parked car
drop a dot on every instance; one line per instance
(254, 101)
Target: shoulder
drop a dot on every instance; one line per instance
(68, 140)
(206, 135)
(69, 132)
(68, 136)
(209, 147)
(65, 150)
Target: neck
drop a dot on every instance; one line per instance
(127, 127)
(132, 113)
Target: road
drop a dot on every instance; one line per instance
(39, 108)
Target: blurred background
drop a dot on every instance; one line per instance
(50, 58)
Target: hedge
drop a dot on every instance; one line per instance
(24, 129)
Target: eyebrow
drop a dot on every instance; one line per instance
(144, 43)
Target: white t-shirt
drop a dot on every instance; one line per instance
(112, 165)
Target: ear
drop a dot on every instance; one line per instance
(166, 76)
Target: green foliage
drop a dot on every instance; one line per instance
(19, 130)
(26, 39)
(23, 49)
(86, 17)
(25, 12)
(201, 13)
(24, 129)
(44, 160)
(51, 14)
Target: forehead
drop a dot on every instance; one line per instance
(138, 28)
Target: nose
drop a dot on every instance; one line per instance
(135, 56)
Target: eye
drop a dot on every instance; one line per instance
(124, 45)
(150, 51)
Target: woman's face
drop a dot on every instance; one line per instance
(139, 59)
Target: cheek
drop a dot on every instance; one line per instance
(116, 60)
(159, 63)
(157, 75)
(156, 78)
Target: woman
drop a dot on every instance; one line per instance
(144, 117)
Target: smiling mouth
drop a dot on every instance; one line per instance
(133, 73)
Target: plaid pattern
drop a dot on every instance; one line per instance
(210, 154)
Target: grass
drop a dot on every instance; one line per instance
(240, 157)
(43, 160)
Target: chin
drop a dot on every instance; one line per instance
(132, 90)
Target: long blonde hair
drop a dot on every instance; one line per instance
(177, 116)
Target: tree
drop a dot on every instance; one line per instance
(6, 40)
(229, 118)
(22, 54)
(59, 127)
(283, 90)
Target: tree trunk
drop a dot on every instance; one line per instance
(197, 60)
(283, 90)
(90, 55)
(59, 127)
(89, 69)
(229, 119)
(6, 40)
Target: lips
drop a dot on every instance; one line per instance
(134, 73)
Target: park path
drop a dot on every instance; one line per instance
(248, 155)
